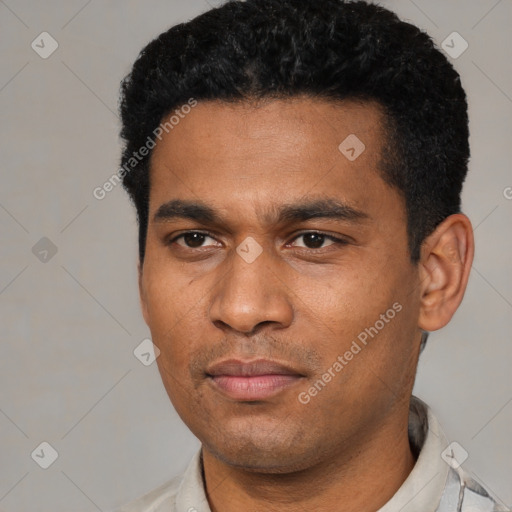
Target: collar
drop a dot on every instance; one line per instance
(422, 490)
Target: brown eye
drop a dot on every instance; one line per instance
(192, 240)
(315, 240)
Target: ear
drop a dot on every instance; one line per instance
(142, 293)
(445, 263)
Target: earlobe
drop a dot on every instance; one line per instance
(446, 259)
(142, 293)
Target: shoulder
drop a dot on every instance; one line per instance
(162, 498)
(463, 493)
(477, 498)
(180, 493)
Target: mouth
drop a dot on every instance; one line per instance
(253, 380)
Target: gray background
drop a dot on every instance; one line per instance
(68, 375)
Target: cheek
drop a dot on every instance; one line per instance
(373, 308)
(344, 299)
(173, 310)
(166, 292)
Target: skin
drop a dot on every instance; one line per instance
(302, 302)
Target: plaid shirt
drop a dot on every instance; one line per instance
(437, 483)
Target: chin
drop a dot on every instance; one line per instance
(262, 452)
(259, 461)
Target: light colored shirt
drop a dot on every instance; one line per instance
(436, 483)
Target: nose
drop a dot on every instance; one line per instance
(251, 295)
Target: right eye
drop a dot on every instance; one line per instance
(192, 239)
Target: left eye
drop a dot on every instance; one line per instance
(316, 240)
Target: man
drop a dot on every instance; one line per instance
(296, 167)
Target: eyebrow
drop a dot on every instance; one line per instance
(287, 213)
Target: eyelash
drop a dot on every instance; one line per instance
(336, 240)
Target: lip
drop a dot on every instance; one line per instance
(252, 380)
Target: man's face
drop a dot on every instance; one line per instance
(254, 284)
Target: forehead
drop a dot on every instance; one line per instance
(271, 151)
(268, 123)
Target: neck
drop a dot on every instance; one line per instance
(361, 477)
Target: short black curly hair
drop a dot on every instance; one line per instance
(328, 49)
